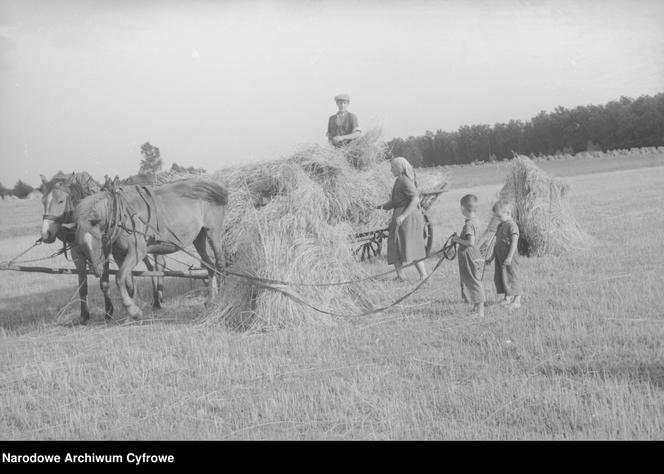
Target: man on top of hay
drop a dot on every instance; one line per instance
(343, 126)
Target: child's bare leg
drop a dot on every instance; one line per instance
(421, 269)
(479, 309)
(516, 302)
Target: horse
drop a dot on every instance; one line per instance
(61, 195)
(139, 220)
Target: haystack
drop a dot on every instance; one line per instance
(292, 220)
(542, 211)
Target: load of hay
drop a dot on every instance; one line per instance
(542, 211)
(293, 220)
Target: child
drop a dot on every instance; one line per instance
(470, 259)
(506, 276)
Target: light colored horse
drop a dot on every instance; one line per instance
(137, 221)
(61, 195)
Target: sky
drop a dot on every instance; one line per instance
(84, 83)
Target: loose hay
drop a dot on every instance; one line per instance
(292, 220)
(542, 211)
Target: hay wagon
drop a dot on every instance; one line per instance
(371, 242)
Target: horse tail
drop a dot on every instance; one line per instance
(208, 191)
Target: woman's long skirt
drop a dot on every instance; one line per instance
(406, 242)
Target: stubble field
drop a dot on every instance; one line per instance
(582, 359)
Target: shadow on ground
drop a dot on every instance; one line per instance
(183, 301)
(652, 374)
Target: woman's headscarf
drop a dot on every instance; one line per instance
(405, 168)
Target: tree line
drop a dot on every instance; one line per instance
(151, 164)
(20, 190)
(623, 123)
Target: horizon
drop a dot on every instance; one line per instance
(167, 167)
(239, 83)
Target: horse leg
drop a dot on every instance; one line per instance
(200, 244)
(124, 280)
(105, 286)
(160, 265)
(81, 268)
(119, 256)
(131, 287)
(157, 287)
(215, 238)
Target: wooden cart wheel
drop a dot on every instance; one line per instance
(379, 248)
(372, 246)
(369, 249)
(428, 235)
(378, 238)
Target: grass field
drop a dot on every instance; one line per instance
(582, 359)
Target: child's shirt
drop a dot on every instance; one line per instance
(505, 232)
(470, 228)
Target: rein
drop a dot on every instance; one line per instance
(121, 206)
(448, 252)
(62, 251)
(63, 218)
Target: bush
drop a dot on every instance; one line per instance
(21, 189)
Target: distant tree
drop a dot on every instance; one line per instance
(408, 148)
(623, 123)
(151, 162)
(21, 189)
(189, 169)
(4, 191)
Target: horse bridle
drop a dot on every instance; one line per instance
(66, 216)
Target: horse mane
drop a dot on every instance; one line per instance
(96, 206)
(79, 185)
(83, 185)
(92, 207)
(146, 179)
(202, 189)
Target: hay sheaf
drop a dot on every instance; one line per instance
(292, 219)
(542, 211)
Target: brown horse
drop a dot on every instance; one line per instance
(61, 195)
(134, 221)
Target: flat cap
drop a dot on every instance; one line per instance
(345, 97)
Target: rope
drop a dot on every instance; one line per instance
(62, 251)
(366, 313)
(448, 253)
(489, 247)
(37, 242)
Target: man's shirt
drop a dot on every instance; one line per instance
(342, 124)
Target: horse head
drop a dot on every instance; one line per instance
(60, 197)
(91, 222)
(57, 207)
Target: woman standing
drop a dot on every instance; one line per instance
(406, 240)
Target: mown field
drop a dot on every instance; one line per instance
(582, 359)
